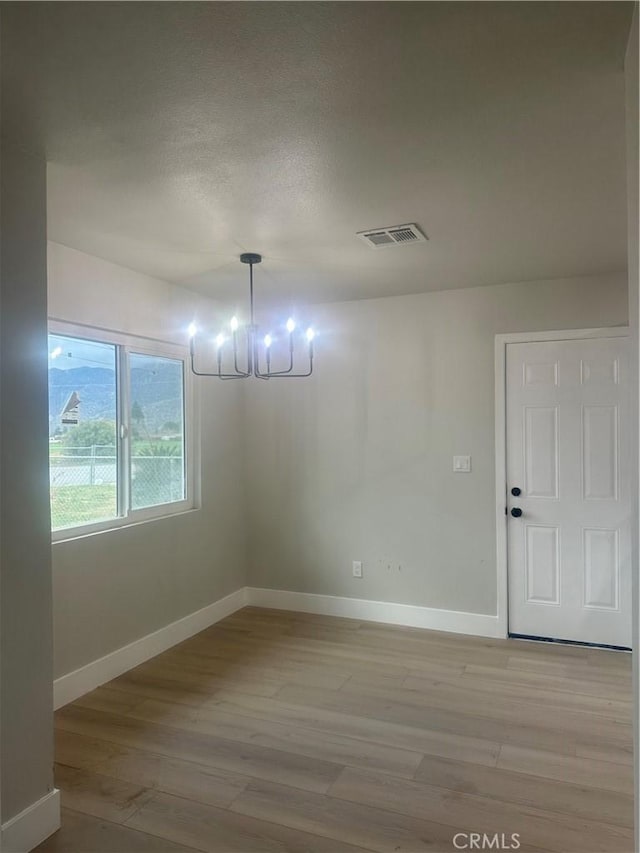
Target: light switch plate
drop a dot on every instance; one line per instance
(462, 464)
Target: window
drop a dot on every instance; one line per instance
(118, 437)
(156, 422)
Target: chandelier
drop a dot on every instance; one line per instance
(242, 355)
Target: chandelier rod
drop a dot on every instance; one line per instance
(251, 290)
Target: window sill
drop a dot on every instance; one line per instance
(73, 535)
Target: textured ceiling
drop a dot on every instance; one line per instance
(180, 134)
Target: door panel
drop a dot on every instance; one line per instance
(541, 451)
(568, 446)
(600, 463)
(542, 564)
(541, 373)
(601, 569)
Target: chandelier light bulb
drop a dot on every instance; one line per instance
(310, 334)
(219, 340)
(234, 324)
(192, 330)
(291, 324)
(268, 340)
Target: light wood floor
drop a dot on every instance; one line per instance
(276, 731)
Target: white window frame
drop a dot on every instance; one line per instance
(128, 345)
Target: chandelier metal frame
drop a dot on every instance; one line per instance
(252, 366)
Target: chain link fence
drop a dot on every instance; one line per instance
(83, 482)
(83, 466)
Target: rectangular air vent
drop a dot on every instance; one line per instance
(394, 235)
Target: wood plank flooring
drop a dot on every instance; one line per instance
(275, 731)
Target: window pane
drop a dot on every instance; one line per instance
(82, 431)
(157, 431)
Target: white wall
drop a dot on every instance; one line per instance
(356, 463)
(632, 120)
(26, 698)
(112, 588)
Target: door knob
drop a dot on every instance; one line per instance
(515, 491)
(516, 512)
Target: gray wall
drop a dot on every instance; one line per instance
(356, 463)
(632, 119)
(352, 464)
(112, 588)
(26, 697)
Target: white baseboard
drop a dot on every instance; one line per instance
(87, 678)
(29, 828)
(75, 684)
(478, 624)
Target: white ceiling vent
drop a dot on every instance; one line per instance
(393, 235)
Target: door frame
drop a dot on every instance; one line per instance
(501, 342)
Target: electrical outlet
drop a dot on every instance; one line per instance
(357, 569)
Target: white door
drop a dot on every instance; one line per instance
(568, 452)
